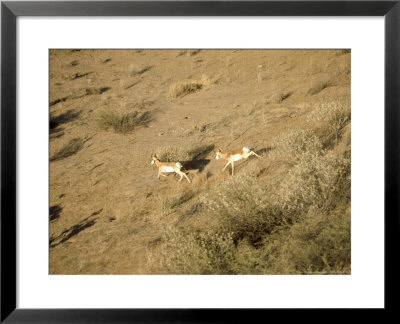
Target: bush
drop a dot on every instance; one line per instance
(193, 253)
(124, 123)
(241, 207)
(334, 116)
(320, 182)
(172, 154)
(290, 147)
(317, 245)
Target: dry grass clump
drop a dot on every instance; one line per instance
(193, 253)
(123, 123)
(180, 89)
(72, 147)
(172, 154)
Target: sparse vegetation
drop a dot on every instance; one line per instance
(298, 223)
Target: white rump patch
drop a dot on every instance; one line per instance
(179, 165)
(236, 157)
(167, 169)
(246, 149)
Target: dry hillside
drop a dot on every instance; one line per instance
(286, 212)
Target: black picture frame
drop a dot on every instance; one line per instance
(9, 13)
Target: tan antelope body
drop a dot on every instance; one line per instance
(233, 156)
(168, 167)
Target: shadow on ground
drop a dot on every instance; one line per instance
(195, 164)
(72, 231)
(54, 212)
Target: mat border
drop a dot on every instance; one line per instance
(11, 10)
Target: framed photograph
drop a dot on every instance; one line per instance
(195, 161)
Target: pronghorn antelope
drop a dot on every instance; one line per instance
(167, 167)
(233, 156)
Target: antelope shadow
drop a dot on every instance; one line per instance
(72, 231)
(194, 164)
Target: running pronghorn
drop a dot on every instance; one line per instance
(244, 153)
(167, 167)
